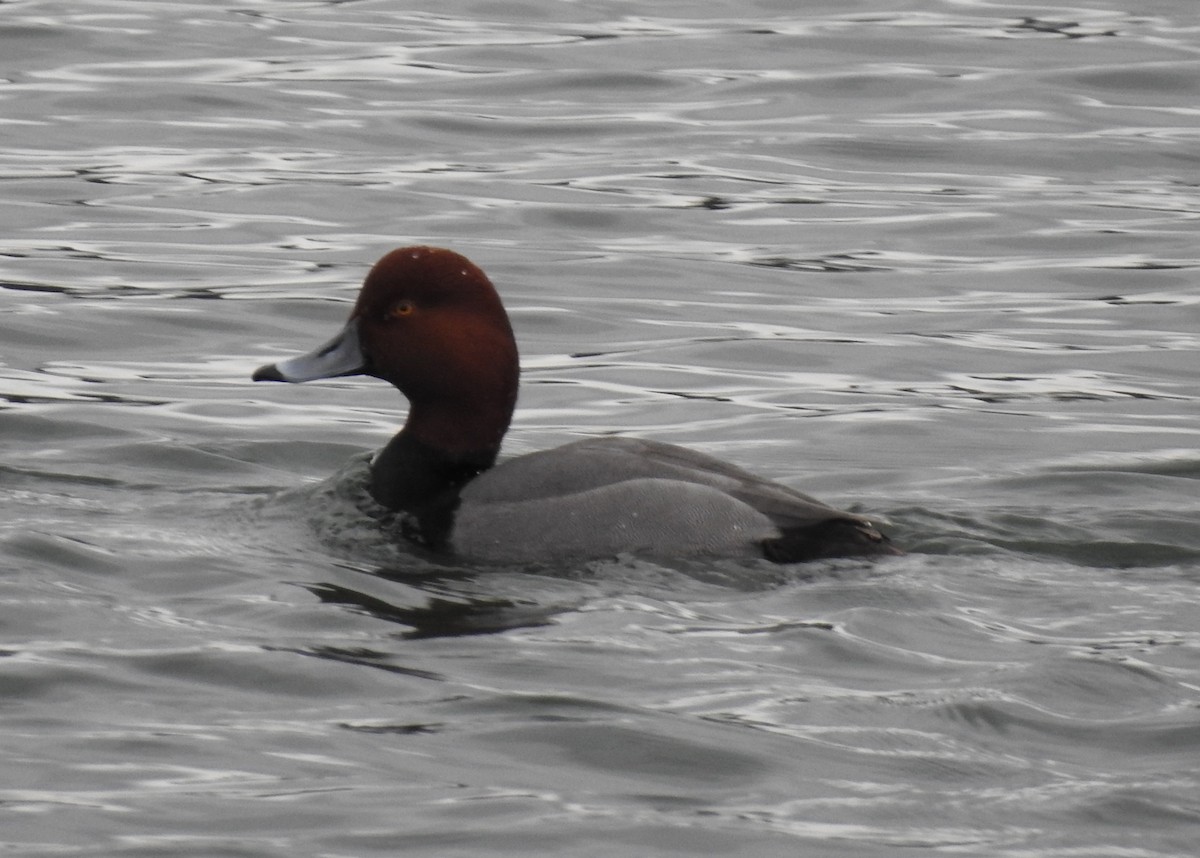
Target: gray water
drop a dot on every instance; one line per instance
(935, 261)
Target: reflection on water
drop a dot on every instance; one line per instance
(934, 261)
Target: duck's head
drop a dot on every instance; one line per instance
(429, 322)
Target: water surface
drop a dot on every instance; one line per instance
(935, 261)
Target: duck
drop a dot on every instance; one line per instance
(429, 322)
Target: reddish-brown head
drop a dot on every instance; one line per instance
(430, 322)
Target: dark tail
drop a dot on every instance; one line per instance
(836, 537)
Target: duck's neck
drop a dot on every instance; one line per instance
(445, 443)
(410, 474)
(423, 481)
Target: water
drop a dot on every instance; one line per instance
(935, 260)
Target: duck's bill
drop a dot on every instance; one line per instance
(340, 356)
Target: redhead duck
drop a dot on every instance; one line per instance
(429, 322)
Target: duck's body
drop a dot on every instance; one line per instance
(431, 323)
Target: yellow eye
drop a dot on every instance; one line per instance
(402, 309)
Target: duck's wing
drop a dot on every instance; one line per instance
(783, 505)
(807, 528)
(596, 462)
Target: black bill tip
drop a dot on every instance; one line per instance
(267, 373)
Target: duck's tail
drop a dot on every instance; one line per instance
(835, 537)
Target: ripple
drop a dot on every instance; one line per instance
(933, 261)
